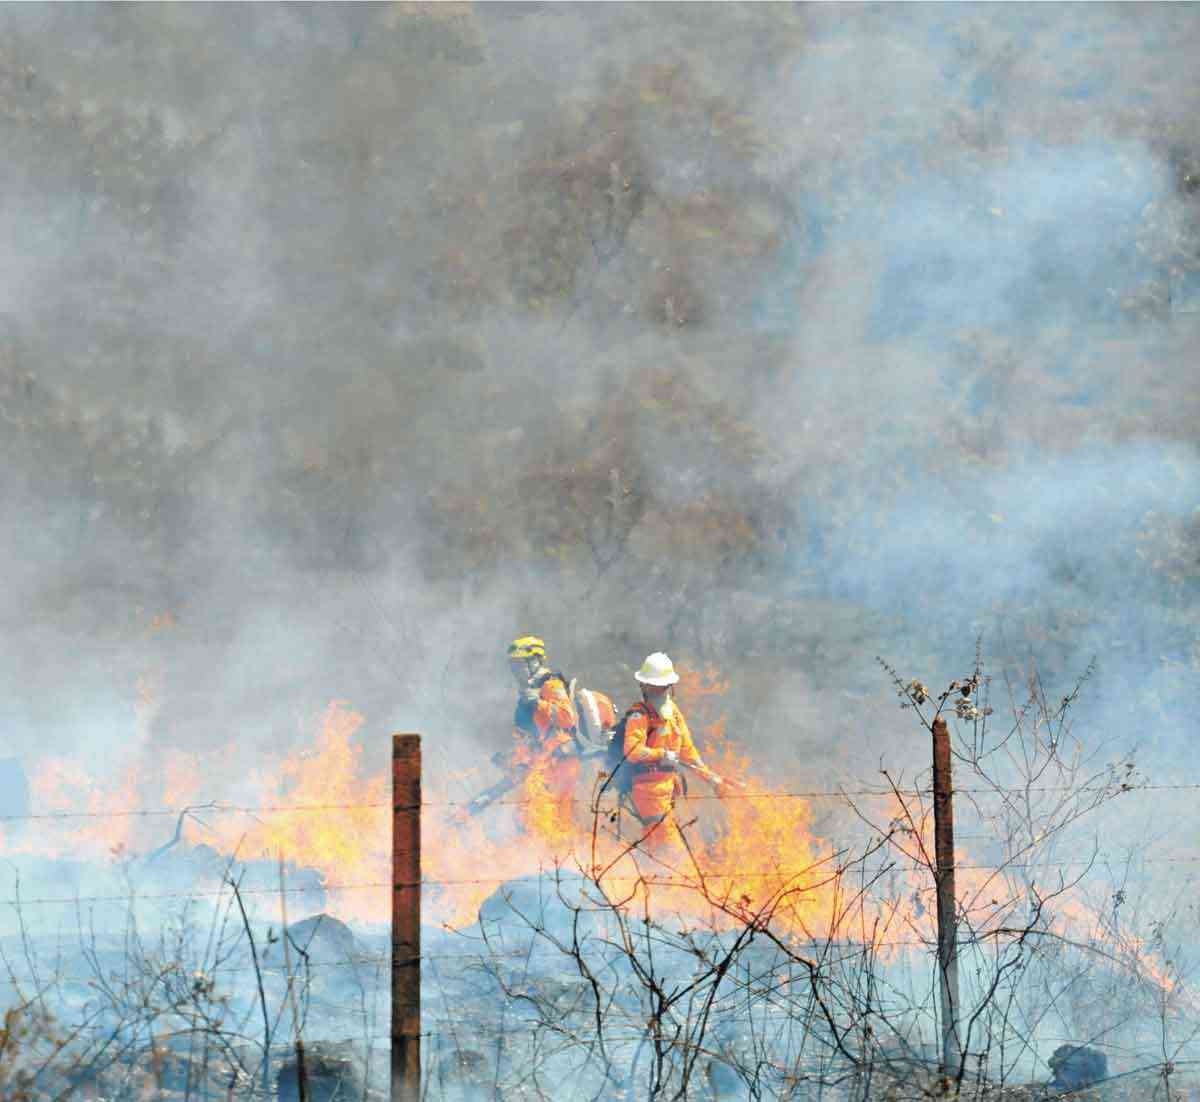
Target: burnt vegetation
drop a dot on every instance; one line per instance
(625, 974)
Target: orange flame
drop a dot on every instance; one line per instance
(321, 810)
(62, 786)
(547, 800)
(747, 850)
(323, 815)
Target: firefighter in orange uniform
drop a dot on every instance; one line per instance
(657, 744)
(545, 724)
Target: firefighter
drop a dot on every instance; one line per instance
(545, 727)
(544, 710)
(657, 744)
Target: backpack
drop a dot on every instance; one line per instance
(595, 718)
(620, 771)
(595, 715)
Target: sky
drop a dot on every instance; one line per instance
(340, 344)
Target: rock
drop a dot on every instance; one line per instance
(519, 907)
(1077, 1066)
(330, 1074)
(323, 938)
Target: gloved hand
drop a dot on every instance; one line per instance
(671, 757)
(531, 695)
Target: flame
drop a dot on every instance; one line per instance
(348, 839)
(767, 845)
(61, 786)
(547, 799)
(750, 850)
(741, 853)
(181, 780)
(703, 687)
(1083, 924)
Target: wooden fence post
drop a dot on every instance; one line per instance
(947, 916)
(406, 918)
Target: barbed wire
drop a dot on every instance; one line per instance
(138, 897)
(965, 941)
(975, 939)
(719, 874)
(192, 809)
(1117, 788)
(355, 961)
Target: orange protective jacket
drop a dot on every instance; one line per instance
(552, 718)
(648, 736)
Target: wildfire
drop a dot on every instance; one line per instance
(319, 812)
(544, 812)
(61, 786)
(323, 810)
(740, 853)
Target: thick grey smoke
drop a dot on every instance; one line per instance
(339, 344)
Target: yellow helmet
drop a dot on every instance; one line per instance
(528, 646)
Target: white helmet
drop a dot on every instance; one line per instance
(657, 670)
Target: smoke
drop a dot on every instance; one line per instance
(340, 345)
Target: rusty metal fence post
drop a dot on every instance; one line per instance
(947, 917)
(406, 918)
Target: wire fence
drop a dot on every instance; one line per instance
(709, 875)
(486, 956)
(715, 874)
(379, 805)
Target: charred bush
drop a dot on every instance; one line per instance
(1076, 1066)
(330, 1075)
